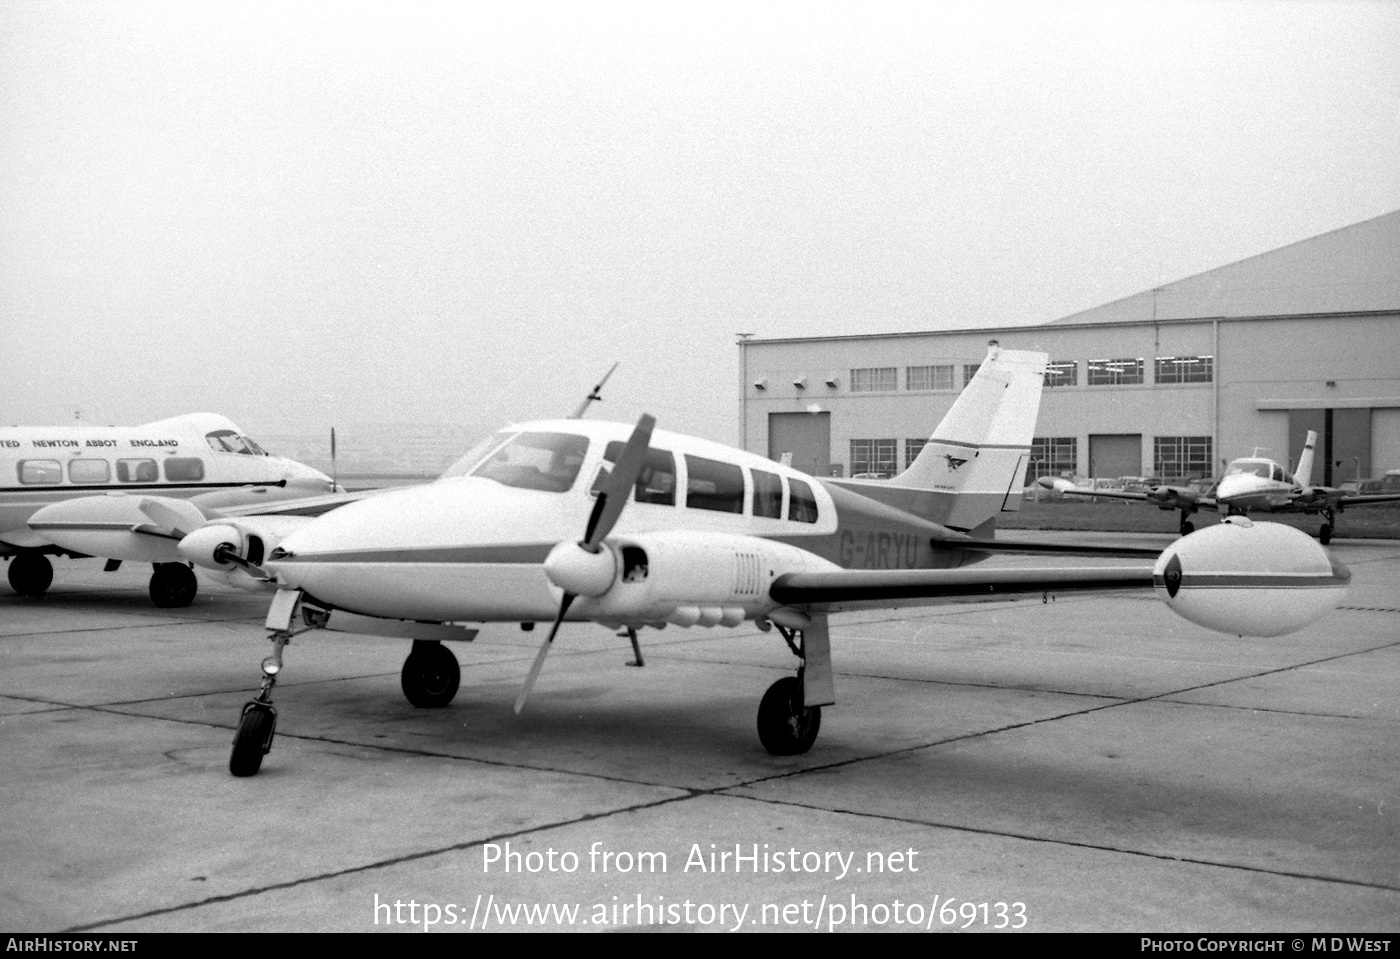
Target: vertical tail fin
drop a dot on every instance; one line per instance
(978, 453)
(1303, 477)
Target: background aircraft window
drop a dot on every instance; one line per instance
(184, 469)
(89, 471)
(767, 494)
(40, 472)
(657, 484)
(543, 461)
(473, 457)
(803, 505)
(136, 471)
(714, 485)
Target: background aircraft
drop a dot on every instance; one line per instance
(1250, 483)
(576, 520)
(90, 491)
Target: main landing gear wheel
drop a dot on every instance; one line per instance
(253, 740)
(173, 585)
(1324, 535)
(1187, 528)
(31, 574)
(785, 726)
(430, 675)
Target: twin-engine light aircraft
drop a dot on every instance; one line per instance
(571, 520)
(1250, 483)
(87, 491)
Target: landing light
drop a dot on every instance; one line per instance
(271, 666)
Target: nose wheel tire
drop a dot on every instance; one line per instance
(430, 675)
(31, 574)
(785, 726)
(1324, 535)
(253, 739)
(173, 585)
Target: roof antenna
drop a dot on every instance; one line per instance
(595, 397)
(334, 484)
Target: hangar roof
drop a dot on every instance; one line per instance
(1355, 269)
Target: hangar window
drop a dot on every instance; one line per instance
(767, 494)
(873, 459)
(40, 472)
(137, 471)
(802, 505)
(184, 469)
(1115, 372)
(1053, 456)
(875, 379)
(1185, 369)
(912, 449)
(969, 371)
(1065, 373)
(657, 482)
(713, 485)
(928, 377)
(1181, 457)
(89, 471)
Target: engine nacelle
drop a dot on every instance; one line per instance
(251, 539)
(1250, 579)
(692, 578)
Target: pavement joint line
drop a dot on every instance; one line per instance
(1166, 857)
(378, 864)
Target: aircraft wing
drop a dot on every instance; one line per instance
(305, 506)
(836, 590)
(1167, 497)
(1367, 499)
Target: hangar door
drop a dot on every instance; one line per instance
(1343, 443)
(807, 436)
(1115, 454)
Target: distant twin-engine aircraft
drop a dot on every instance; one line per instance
(88, 491)
(1250, 483)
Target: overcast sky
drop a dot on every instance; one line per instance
(307, 214)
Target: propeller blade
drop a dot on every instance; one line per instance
(538, 664)
(620, 481)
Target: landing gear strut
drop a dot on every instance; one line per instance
(1324, 534)
(258, 722)
(430, 675)
(31, 574)
(790, 713)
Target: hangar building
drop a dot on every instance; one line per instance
(1172, 382)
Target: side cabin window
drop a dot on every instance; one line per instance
(767, 494)
(89, 471)
(802, 506)
(40, 472)
(542, 461)
(184, 469)
(136, 471)
(713, 485)
(1278, 474)
(657, 482)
